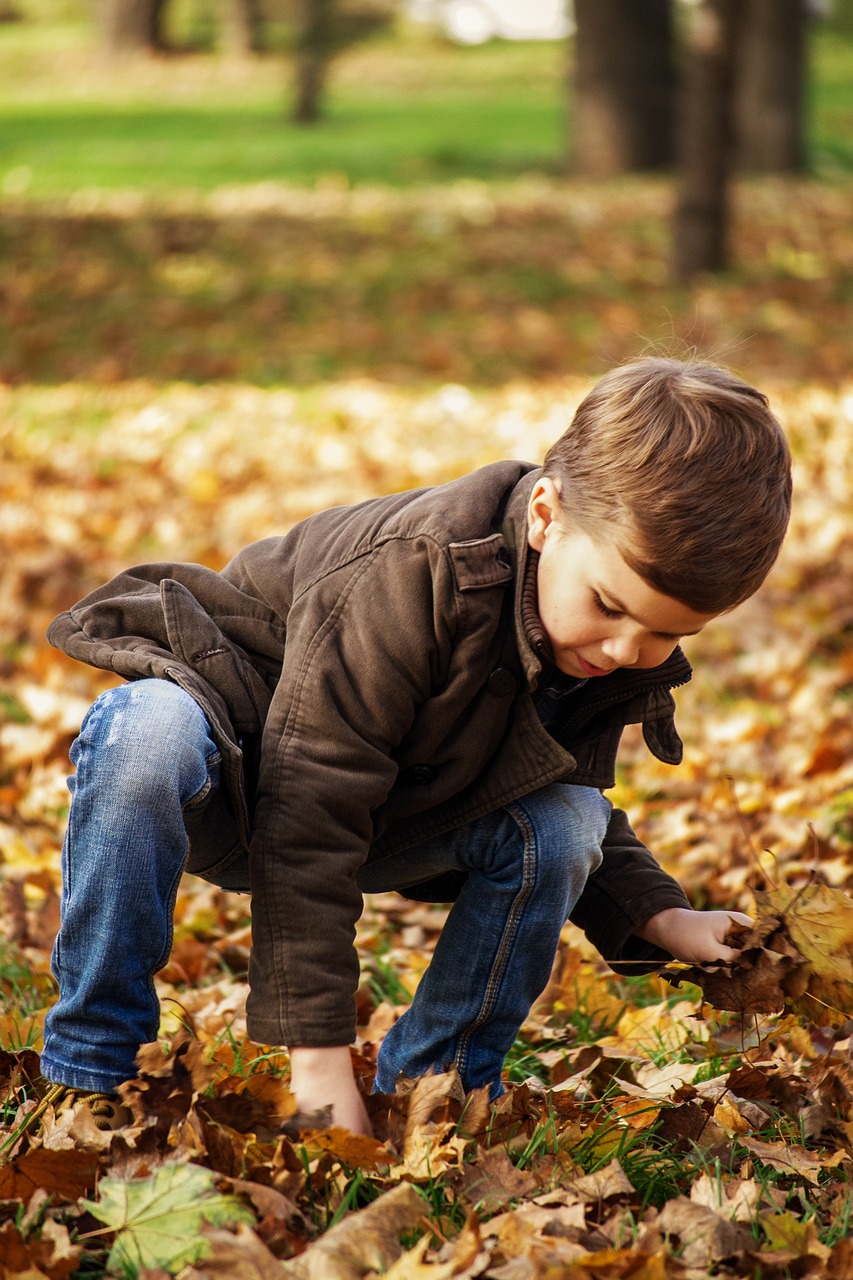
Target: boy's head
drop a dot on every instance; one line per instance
(685, 470)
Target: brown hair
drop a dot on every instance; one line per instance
(687, 467)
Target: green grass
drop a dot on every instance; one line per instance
(403, 109)
(831, 103)
(398, 112)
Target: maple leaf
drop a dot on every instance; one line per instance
(798, 955)
(158, 1219)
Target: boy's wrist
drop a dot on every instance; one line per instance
(660, 928)
(320, 1059)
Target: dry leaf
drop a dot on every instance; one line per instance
(366, 1241)
(702, 1236)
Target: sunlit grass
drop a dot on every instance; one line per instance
(402, 109)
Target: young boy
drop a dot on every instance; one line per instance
(424, 692)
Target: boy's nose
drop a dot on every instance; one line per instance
(623, 649)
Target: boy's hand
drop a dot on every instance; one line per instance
(323, 1077)
(693, 936)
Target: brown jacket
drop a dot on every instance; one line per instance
(368, 678)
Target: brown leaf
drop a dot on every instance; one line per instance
(491, 1181)
(606, 1183)
(365, 1241)
(793, 1160)
(67, 1174)
(702, 1236)
(454, 1260)
(839, 1265)
(232, 1254)
(356, 1150)
(755, 981)
(547, 1236)
(429, 1100)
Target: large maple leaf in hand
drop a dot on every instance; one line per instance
(798, 956)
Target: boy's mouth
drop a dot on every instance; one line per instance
(590, 670)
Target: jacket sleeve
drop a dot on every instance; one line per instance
(627, 889)
(365, 646)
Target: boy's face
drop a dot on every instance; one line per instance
(597, 612)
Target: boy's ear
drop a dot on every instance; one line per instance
(542, 510)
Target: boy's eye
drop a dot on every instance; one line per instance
(602, 607)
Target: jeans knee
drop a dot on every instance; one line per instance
(144, 737)
(568, 825)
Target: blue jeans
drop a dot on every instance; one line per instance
(146, 765)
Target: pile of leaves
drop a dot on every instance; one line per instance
(643, 1133)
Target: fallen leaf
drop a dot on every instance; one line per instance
(66, 1174)
(455, 1260)
(491, 1181)
(787, 1158)
(789, 1239)
(234, 1254)
(702, 1236)
(366, 1241)
(158, 1219)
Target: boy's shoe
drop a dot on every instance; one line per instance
(105, 1108)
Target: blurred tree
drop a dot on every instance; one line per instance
(130, 26)
(769, 92)
(324, 28)
(706, 136)
(315, 45)
(624, 86)
(241, 27)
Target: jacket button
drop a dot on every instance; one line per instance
(419, 775)
(502, 682)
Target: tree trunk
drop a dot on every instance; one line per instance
(705, 141)
(314, 48)
(241, 27)
(624, 86)
(770, 86)
(131, 26)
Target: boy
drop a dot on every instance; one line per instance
(423, 692)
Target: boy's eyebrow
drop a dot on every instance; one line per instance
(616, 603)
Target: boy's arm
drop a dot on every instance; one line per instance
(365, 644)
(324, 1076)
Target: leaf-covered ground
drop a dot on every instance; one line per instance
(643, 1134)
(470, 282)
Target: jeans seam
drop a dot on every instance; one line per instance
(206, 787)
(508, 934)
